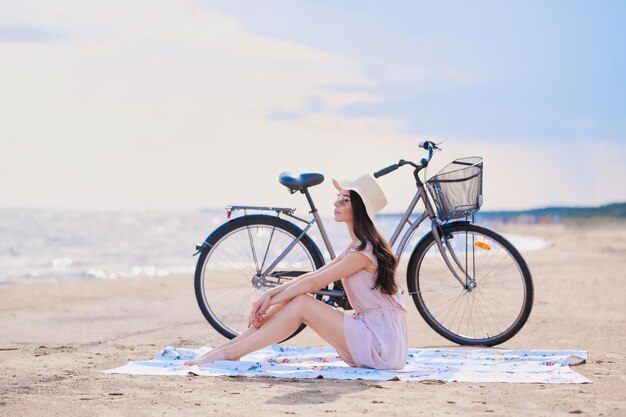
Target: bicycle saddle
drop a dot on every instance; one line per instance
(300, 182)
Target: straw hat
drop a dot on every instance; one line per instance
(368, 189)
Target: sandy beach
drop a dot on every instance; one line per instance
(57, 337)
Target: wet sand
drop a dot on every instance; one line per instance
(57, 337)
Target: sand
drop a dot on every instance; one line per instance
(57, 337)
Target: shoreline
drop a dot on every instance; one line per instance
(69, 245)
(525, 239)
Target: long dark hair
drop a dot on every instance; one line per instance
(365, 231)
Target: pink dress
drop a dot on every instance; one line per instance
(376, 334)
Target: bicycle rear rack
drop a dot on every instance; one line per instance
(285, 210)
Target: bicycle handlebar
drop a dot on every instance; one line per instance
(428, 145)
(386, 171)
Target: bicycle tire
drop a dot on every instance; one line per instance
(502, 306)
(226, 253)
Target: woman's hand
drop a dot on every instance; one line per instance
(258, 322)
(259, 310)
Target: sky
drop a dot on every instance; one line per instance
(182, 105)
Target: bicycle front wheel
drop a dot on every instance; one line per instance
(230, 271)
(495, 299)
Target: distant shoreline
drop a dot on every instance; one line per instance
(550, 214)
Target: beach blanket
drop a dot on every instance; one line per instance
(463, 364)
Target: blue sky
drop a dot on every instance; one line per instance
(550, 70)
(191, 104)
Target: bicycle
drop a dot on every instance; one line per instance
(469, 283)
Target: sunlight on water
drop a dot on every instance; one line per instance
(38, 245)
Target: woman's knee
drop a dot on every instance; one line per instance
(299, 302)
(302, 298)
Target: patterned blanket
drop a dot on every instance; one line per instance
(463, 364)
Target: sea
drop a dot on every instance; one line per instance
(59, 244)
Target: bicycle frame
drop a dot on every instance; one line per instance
(435, 228)
(471, 253)
(429, 212)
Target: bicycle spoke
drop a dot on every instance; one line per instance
(484, 320)
(470, 321)
(490, 309)
(447, 300)
(495, 301)
(466, 298)
(440, 289)
(232, 267)
(267, 249)
(256, 263)
(450, 304)
(494, 317)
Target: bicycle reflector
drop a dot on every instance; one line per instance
(228, 212)
(483, 245)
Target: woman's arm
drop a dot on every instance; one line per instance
(261, 306)
(343, 268)
(277, 290)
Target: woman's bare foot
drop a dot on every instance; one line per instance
(214, 355)
(202, 360)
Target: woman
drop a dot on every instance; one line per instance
(375, 336)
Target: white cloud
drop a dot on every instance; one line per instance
(160, 104)
(144, 103)
(534, 173)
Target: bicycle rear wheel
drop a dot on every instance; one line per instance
(228, 275)
(496, 299)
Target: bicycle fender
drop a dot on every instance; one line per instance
(201, 246)
(426, 236)
(445, 226)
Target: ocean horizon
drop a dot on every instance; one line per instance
(63, 244)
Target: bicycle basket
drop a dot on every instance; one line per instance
(458, 188)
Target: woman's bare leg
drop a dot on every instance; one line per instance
(273, 310)
(322, 318)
